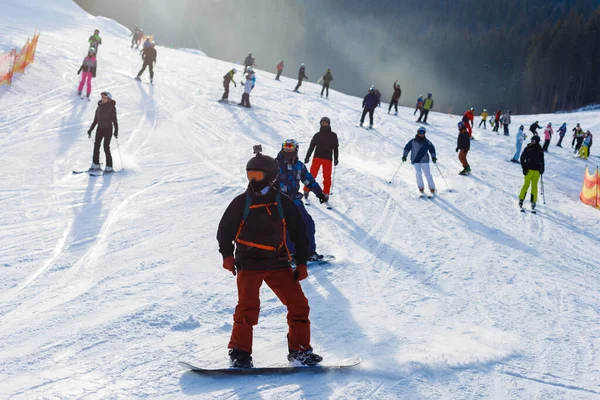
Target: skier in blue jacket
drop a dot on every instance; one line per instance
(369, 103)
(292, 171)
(419, 147)
(520, 138)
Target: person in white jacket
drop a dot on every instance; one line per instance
(520, 138)
(248, 86)
(506, 122)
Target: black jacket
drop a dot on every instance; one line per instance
(149, 55)
(532, 158)
(301, 74)
(326, 142)
(534, 127)
(464, 141)
(106, 116)
(327, 78)
(263, 226)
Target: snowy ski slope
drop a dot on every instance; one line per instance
(106, 282)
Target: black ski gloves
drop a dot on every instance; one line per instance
(525, 172)
(90, 133)
(457, 149)
(306, 160)
(403, 158)
(335, 162)
(116, 134)
(434, 159)
(322, 198)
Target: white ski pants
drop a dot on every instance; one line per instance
(420, 169)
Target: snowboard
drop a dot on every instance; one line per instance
(276, 370)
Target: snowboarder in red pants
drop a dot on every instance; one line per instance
(323, 143)
(257, 222)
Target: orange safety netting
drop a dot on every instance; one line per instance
(14, 61)
(590, 192)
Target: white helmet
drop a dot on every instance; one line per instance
(234, 71)
(249, 69)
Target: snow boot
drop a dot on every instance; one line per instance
(533, 206)
(304, 357)
(396, 113)
(95, 167)
(137, 78)
(79, 93)
(422, 191)
(361, 124)
(520, 203)
(432, 192)
(240, 359)
(370, 126)
(108, 170)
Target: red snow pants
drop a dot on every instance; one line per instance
(316, 165)
(289, 292)
(469, 128)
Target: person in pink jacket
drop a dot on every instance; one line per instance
(548, 132)
(89, 71)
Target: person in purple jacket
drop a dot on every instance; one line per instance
(369, 103)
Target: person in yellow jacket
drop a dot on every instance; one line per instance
(484, 116)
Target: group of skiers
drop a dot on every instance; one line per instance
(272, 203)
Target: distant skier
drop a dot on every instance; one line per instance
(497, 121)
(419, 147)
(248, 86)
(506, 122)
(105, 118)
(257, 222)
(519, 142)
(419, 105)
(532, 162)
(279, 70)
(562, 131)
(534, 127)
(326, 79)
(548, 132)
(463, 145)
(395, 98)
(249, 62)
(291, 172)
(89, 71)
(301, 76)
(484, 116)
(369, 103)
(584, 152)
(378, 94)
(226, 80)
(137, 36)
(577, 138)
(95, 40)
(149, 57)
(326, 147)
(468, 119)
(427, 106)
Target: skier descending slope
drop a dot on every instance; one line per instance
(89, 71)
(532, 162)
(427, 106)
(226, 80)
(418, 147)
(463, 145)
(248, 86)
(301, 77)
(325, 142)
(105, 118)
(520, 138)
(291, 172)
(149, 57)
(369, 103)
(95, 40)
(395, 98)
(257, 221)
(327, 79)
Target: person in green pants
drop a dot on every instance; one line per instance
(532, 162)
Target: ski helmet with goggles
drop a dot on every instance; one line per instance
(325, 119)
(290, 146)
(461, 125)
(421, 131)
(92, 50)
(261, 171)
(536, 139)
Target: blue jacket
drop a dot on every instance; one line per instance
(418, 150)
(562, 130)
(370, 101)
(290, 176)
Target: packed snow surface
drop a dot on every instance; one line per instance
(106, 282)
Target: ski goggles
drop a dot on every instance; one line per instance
(254, 175)
(289, 147)
(106, 94)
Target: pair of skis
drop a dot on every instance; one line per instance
(94, 172)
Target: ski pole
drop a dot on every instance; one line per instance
(442, 175)
(332, 180)
(543, 196)
(396, 172)
(121, 158)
